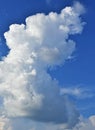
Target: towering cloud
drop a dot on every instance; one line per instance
(26, 88)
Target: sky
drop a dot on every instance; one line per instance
(47, 65)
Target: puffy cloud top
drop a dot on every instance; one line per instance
(26, 88)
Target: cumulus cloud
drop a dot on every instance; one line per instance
(26, 89)
(86, 124)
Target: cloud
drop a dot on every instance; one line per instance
(86, 124)
(27, 124)
(48, 1)
(26, 89)
(92, 119)
(78, 92)
(5, 124)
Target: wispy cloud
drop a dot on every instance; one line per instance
(78, 92)
(48, 1)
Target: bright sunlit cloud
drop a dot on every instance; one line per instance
(29, 94)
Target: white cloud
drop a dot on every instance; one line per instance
(92, 119)
(71, 91)
(86, 124)
(5, 124)
(28, 91)
(78, 92)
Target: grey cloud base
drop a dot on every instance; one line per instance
(27, 89)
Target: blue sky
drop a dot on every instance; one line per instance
(78, 72)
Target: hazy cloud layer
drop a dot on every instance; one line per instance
(26, 89)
